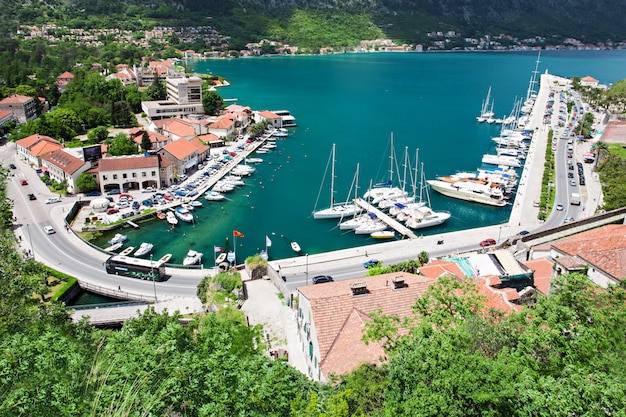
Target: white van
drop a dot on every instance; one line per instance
(53, 200)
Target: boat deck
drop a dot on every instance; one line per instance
(394, 224)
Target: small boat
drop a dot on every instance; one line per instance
(114, 247)
(127, 251)
(160, 215)
(183, 214)
(213, 196)
(195, 203)
(188, 206)
(261, 151)
(193, 258)
(144, 248)
(268, 146)
(383, 234)
(118, 238)
(221, 258)
(165, 258)
(295, 247)
(253, 160)
(171, 218)
(279, 134)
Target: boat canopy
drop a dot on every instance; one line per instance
(372, 215)
(384, 184)
(400, 205)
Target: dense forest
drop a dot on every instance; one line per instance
(563, 356)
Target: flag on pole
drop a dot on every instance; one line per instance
(217, 249)
(237, 234)
(268, 242)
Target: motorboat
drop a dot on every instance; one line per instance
(183, 214)
(384, 234)
(223, 187)
(482, 191)
(171, 218)
(192, 258)
(234, 180)
(295, 247)
(213, 195)
(127, 251)
(221, 258)
(508, 161)
(118, 238)
(160, 215)
(426, 217)
(188, 206)
(165, 258)
(114, 247)
(243, 170)
(254, 160)
(143, 249)
(195, 203)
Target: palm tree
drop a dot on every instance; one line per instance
(602, 151)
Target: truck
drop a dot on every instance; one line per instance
(575, 199)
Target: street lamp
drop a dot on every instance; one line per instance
(153, 282)
(30, 240)
(306, 272)
(499, 233)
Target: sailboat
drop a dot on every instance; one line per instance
(336, 211)
(486, 110)
(424, 216)
(386, 189)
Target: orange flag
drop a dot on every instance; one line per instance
(237, 234)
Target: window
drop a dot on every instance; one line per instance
(134, 175)
(310, 350)
(143, 174)
(104, 177)
(124, 176)
(114, 176)
(154, 173)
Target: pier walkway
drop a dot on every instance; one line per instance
(394, 224)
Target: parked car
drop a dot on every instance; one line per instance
(93, 193)
(114, 191)
(488, 242)
(559, 207)
(135, 205)
(523, 232)
(113, 210)
(49, 230)
(370, 263)
(147, 203)
(148, 190)
(24, 182)
(322, 278)
(32, 197)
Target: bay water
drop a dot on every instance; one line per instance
(427, 101)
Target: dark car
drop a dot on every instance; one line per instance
(487, 242)
(322, 278)
(523, 232)
(114, 191)
(370, 263)
(570, 175)
(32, 197)
(135, 205)
(93, 193)
(12, 166)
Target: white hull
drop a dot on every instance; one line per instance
(144, 248)
(370, 227)
(118, 238)
(295, 247)
(354, 222)
(337, 212)
(434, 219)
(171, 218)
(214, 196)
(509, 161)
(192, 258)
(463, 191)
(184, 215)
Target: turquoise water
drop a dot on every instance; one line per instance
(428, 101)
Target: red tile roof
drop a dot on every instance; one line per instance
(38, 145)
(200, 147)
(210, 137)
(66, 75)
(497, 299)
(222, 123)
(336, 312)
(542, 269)
(120, 163)
(439, 268)
(179, 128)
(68, 163)
(180, 149)
(268, 115)
(15, 99)
(604, 247)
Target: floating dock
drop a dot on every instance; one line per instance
(394, 224)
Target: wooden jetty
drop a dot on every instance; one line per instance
(394, 224)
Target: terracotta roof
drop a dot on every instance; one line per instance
(120, 163)
(336, 312)
(180, 148)
(68, 163)
(154, 137)
(588, 79)
(542, 270)
(604, 247)
(497, 299)
(16, 99)
(179, 128)
(5, 113)
(222, 123)
(38, 145)
(268, 114)
(200, 147)
(439, 268)
(210, 137)
(571, 262)
(66, 74)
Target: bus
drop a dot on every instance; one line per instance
(135, 268)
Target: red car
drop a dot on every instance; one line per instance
(24, 182)
(487, 242)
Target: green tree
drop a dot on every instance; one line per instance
(145, 141)
(212, 102)
(156, 91)
(98, 134)
(86, 183)
(122, 144)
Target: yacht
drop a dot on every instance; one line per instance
(118, 238)
(478, 191)
(424, 216)
(171, 218)
(143, 249)
(193, 258)
(213, 195)
(504, 160)
(184, 214)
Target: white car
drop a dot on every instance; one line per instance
(49, 230)
(53, 200)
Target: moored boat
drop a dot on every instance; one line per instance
(171, 218)
(184, 214)
(221, 258)
(482, 192)
(192, 258)
(213, 196)
(114, 247)
(195, 203)
(160, 215)
(118, 238)
(165, 258)
(143, 249)
(383, 234)
(296, 247)
(253, 160)
(127, 251)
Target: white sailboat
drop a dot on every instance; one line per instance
(385, 190)
(486, 110)
(336, 211)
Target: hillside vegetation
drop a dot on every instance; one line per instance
(335, 22)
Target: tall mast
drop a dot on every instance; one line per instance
(332, 179)
(391, 161)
